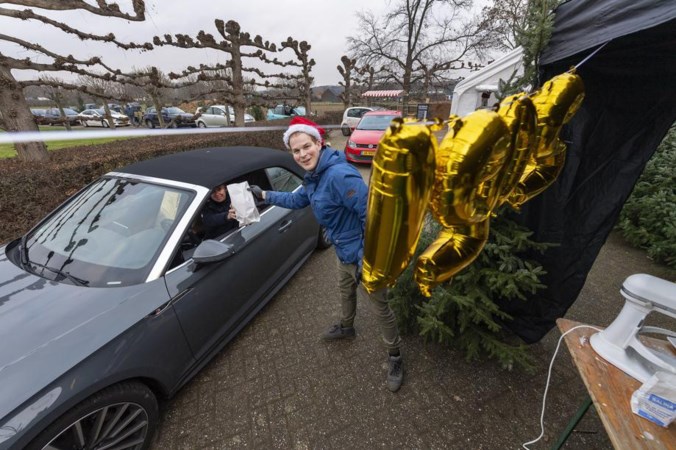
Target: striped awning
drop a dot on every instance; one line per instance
(391, 93)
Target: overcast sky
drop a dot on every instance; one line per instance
(325, 24)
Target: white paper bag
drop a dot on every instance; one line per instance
(243, 202)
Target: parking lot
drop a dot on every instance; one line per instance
(277, 385)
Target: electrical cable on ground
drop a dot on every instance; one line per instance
(549, 375)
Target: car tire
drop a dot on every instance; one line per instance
(132, 401)
(323, 240)
(201, 124)
(150, 124)
(345, 130)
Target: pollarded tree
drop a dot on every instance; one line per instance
(14, 111)
(304, 80)
(236, 44)
(414, 32)
(348, 71)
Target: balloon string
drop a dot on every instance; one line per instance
(590, 55)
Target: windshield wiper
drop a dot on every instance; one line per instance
(24, 251)
(63, 273)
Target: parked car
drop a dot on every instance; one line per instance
(114, 299)
(362, 144)
(39, 115)
(352, 116)
(97, 118)
(285, 111)
(214, 116)
(53, 116)
(183, 119)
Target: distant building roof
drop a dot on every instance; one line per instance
(390, 93)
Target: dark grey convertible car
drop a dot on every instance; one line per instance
(116, 299)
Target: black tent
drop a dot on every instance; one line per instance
(629, 106)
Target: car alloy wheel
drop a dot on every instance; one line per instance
(323, 241)
(345, 130)
(201, 124)
(123, 416)
(149, 124)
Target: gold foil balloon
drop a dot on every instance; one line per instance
(454, 249)
(556, 103)
(518, 113)
(469, 161)
(402, 175)
(486, 158)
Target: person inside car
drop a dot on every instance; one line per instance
(218, 216)
(337, 194)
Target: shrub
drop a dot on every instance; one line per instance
(462, 312)
(648, 218)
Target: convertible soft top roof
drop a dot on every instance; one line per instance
(209, 167)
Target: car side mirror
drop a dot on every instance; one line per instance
(210, 251)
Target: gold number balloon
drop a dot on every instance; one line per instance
(454, 249)
(518, 113)
(468, 163)
(556, 103)
(485, 159)
(402, 174)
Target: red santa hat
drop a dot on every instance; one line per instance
(300, 124)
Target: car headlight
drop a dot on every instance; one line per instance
(351, 143)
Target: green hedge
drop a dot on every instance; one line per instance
(28, 191)
(648, 219)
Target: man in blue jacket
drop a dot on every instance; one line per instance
(337, 194)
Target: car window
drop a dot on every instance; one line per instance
(110, 233)
(375, 122)
(355, 112)
(283, 180)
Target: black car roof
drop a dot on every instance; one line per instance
(212, 166)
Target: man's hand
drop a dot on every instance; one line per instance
(232, 214)
(257, 191)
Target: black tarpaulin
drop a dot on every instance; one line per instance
(629, 106)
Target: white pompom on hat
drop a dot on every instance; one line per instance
(302, 125)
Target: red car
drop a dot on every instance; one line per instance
(362, 144)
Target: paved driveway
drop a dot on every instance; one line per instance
(278, 386)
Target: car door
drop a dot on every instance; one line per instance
(211, 118)
(214, 301)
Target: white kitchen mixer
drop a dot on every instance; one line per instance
(620, 345)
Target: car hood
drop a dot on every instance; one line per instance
(366, 136)
(46, 327)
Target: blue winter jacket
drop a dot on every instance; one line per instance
(337, 194)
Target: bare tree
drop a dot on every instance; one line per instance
(304, 80)
(415, 32)
(236, 44)
(56, 94)
(506, 19)
(16, 115)
(103, 90)
(348, 71)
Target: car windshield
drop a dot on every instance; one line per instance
(109, 234)
(299, 110)
(375, 122)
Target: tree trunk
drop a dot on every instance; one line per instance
(238, 101)
(62, 113)
(17, 116)
(108, 116)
